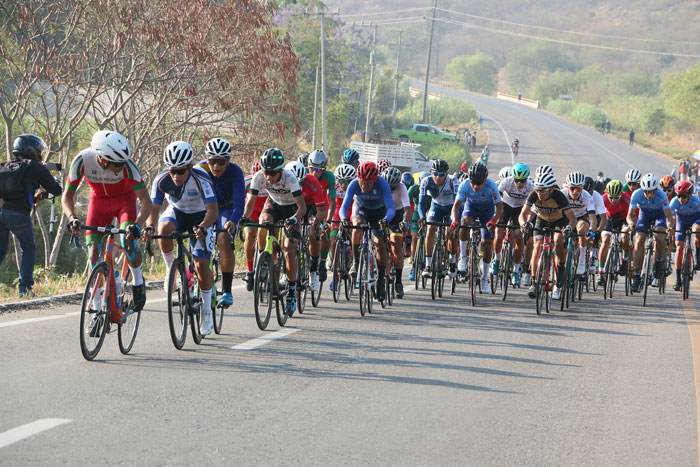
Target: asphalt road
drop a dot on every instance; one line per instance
(420, 383)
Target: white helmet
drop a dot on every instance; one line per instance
(318, 158)
(345, 172)
(575, 179)
(298, 169)
(178, 154)
(649, 182)
(218, 147)
(544, 169)
(633, 176)
(505, 172)
(111, 146)
(392, 175)
(545, 180)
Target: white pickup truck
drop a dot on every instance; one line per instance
(403, 155)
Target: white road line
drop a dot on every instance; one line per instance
(258, 341)
(512, 156)
(30, 429)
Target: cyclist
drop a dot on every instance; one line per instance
(316, 208)
(686, 207)
(285, 202)
(515, 146)
(581, 204)
(654, 211)
(514, 191)
(632, 179)
(589, 185)
(442, 188)
(372, 203)
(552, 211)
(667, 184)
(344, 174)
(383, 164)
(351, 157)
(115, 184)
(484, 159)
(250, 233)
(399, 224)
(482, 201)
(318, 161)
(229, 186)
(616, 207)
(504, 173)
(414, 196)
(192, 208)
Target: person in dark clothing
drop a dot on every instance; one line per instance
(631, 137)
(15, 214)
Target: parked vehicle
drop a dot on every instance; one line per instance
(403, 155)
(421, 133)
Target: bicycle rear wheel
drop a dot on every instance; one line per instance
(646, 274)
(418, 260)
(336, 279)
(264, 290)
(95, 323)
(473, 270)
(195, 307)
(129, 325)
(363, 282)
(541, 287)
(435, 265)
(216, 291)
(686, 272)
(279, 303)
(178, 303)
(302, 278)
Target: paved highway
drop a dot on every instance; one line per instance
(420, 383)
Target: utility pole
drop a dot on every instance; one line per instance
(313, 138)
(396, 74)
(372, 65)
(323, 82)
(427, 68)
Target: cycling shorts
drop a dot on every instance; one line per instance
(102, 211)
(258, 207)
(557, 224)
(371, 216)
(394, 225)
(584, 218)
(511, 214)
(685, 222)
(438, 213)
(483, 214)
(614, 224)
(647, 219)
(279, 212)
(185, 222)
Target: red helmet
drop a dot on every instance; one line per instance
(683, 188)
(383, 164)
(257, 167)
(368, 172)
(667, 182)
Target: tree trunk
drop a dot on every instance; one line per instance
(44, 234)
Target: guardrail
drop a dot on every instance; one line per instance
(523, 100)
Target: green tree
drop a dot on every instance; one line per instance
(550, 86)
(682, 93)
(526, 63)
(475, 72)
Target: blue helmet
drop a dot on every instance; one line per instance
(407, 179)
(351, 156)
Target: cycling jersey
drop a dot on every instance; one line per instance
(442, 195)
(617, 212)
(312, 192)
(400, 195)
(691, 208)
(191, 197)
(282, 192)
(487, 196)
(327, 182)
(513, 195)
(378, 197)
(582, 205)
(598, 203)
(261, 193)
(230, 191)
(103, 182)
(550, 210)
(658, 203)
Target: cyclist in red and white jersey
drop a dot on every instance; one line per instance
(251, 232)
(318, 162)
(344, 174)
(115, 184)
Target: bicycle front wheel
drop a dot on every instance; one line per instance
(195, 309)
(216, 290)
(364, 285)
(686, 272)
(129, 325)
(94, 311)
(264, 290)
(178, 303)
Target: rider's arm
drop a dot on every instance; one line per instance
(238, 194)
(421, 198)
(75, 175)
(525, 214)
(388, 199)
(301, 207)
(68, 203)
(352, 190)
(670, 220)
(145, 206)
(571, 217)
(499, 212)
(211, 216)
(157, 198)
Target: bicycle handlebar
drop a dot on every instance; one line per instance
(508, 226)
(106, 229)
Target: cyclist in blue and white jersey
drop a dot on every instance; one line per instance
(372, 203)
(686, 207)
(229, 186)
(654, 212)
(483, 202)
(192, 208)
(442, 188)
(484, 159)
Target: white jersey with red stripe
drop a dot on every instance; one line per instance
(103, 182)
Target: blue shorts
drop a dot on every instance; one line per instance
(438, 213)
(483, 214)
(647, 219)
(685, 222)
(185, 222)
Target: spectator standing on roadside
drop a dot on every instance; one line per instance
(631, 137)
(481, 121)
(520, 96)
(683, 170)
(18, 188)
(607, 126)
(473, 140)
(467, 137)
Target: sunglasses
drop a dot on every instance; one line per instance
(632, 183)
(439, 174)
(541, 191)
(576, 189)
(217, 161)
(271, 173)
(520, 180)
(317, 169)
(614, 198)
(683, 196)
(179, 171)
(668, 190)
(119, 165)
(649, 192)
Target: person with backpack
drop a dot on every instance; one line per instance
(19, 179)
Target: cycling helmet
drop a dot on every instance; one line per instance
(298, 170)
(683, 188)
(383, 164)
(422, 176)
(440, 165)
(505, 172)
(575, 179)
(304, 159)
(649, 182)
(464, 167)
(478, 172)
(606, 180)
(486, 147)
(392, 175)
(463, 176)
(178, 154)
(272, 159)
(544, 169)
(345, 172)
(368, 172)
(113, 147)
(351, 156)
(218, 147)
(521, 171)
(545, 180)
(28, 147)
(256, 167)
(614, 188)
(633, 176)
(407, 179)
(599, 186)
(318, 158)
(588, 183)
(667, 182)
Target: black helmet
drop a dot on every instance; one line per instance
(599, 186)
(588, 183)
(28, 147)
(478, 172)
(440, 165)
(272, 159)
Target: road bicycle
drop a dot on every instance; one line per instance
(316, 296)
(544, 282)
(688, 266)
(473, 276)
(217, 308)
(439, 261)
(342, 257)
(419, 259)
(107, 300)
(504, 274)
(612, 266)
(648, 272)
(367, 270)
(303, 269)
(390, 274)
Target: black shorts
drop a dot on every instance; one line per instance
(511, 213)
(280, 213)
(395, 223)
(584, 218)
(615, 224)
(543, 224)
(371, 216)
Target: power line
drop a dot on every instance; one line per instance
(640, 39)
(383, 12)
(578, 44)
(412, 19)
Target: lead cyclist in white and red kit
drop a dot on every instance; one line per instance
(115, 184)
